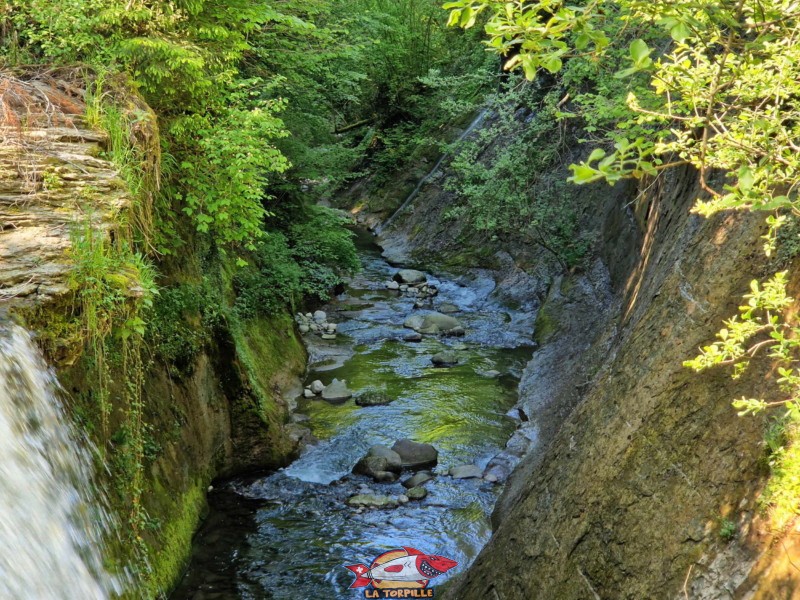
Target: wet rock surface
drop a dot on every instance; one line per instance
(415, 455)
(336, 391)
(343, 499)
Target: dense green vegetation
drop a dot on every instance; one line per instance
(713, 85)
(228, 121)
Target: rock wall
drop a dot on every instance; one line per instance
(51, 178)
(631, 461)
(224, 413)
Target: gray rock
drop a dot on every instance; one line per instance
(317, 386)
(372, 501)
(385, 477)
(413, 337)
(456, 332)
(371, 466)
(320, 316)
(402, 499)
(393, 460)
(465, 472)
(309, 316)
(373, 398)
(429, 330)
(445, 359)
(448, 308)
(416, 493)
(415, 455)
(332, 327)
(418, 479)
(410, 276)
(414, 322)
(337, 391)
(403, 288)
(304, 328)
(328, 336)
(392, 285)
(442, 321)
(308, 393)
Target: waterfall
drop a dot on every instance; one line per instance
(410, 198)
(51, 527)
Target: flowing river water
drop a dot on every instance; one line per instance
(287, 535)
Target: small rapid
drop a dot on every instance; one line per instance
(51, 530)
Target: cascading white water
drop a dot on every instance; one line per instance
(51, 529)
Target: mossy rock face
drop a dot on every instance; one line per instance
(218, 414)
(546, 325)
(373, 398)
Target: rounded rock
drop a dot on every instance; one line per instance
(416, 493)
(416, 455)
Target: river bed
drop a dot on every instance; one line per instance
(287, 535)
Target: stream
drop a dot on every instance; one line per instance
(287, 535)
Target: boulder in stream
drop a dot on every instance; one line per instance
(372, 501)
(337, 391)
(455, 332)
(410, 276)
(393, 460)
(416, 493)
(445, 359)
(373, 398)
(465, 472)
(381, 463)
(418, 479)
(415, 455)
(413, 337)
(414, 322)
(442, 321)
(317, 386)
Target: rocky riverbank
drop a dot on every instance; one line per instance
(401, 443)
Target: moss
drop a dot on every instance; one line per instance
(58, 330)
(170, 555)
(266, 348)
(546, 324)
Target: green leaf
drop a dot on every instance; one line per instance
(680, 32)
(529, 67)
(552, 64)
(583, 173)
(455, 17)
(639, 52)
(596, 154)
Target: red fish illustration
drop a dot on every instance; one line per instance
(415, 567)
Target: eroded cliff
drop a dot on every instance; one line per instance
(633, 464)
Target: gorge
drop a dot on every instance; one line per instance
(208, 344)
